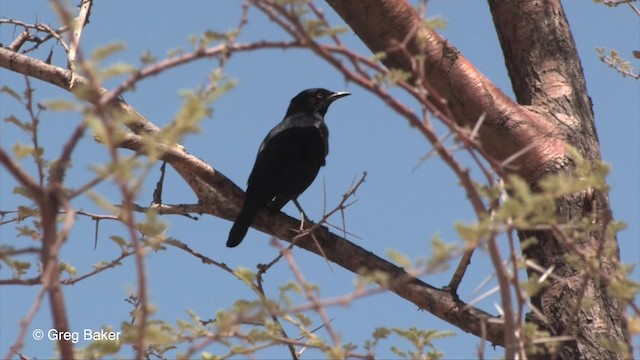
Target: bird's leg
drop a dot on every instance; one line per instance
(303, 216)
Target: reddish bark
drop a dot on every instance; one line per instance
(553, 111)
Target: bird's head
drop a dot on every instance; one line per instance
(314, 101)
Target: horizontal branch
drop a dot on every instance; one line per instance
(223, 198)
(350, 256)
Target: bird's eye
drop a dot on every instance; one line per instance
(319, 95)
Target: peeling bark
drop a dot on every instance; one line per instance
(553, 111)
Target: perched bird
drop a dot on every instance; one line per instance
(289, 158)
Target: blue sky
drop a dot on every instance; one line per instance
(397, 208)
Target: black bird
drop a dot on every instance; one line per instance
(289, 158)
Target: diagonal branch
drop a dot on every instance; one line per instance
(338, 250)
(469, 94)
(224, 198)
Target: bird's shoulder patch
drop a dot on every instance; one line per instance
(299, 121)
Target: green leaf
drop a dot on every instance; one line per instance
(117, 69)
(208, 356)
(211, 36)
(436, 22)
(120, 241)
(25, 126)
(19, 190)
(398, 352)
(245, 275)
(152, 226)
(103, 52)
(10, 92)
(21, 150)
(303, 320)
(19, 267)
(471, 234)
(173, 53)
(147, 58)
(67, 268)
(381, 333)
(28, 232)
(379, 56)
(397, 76)
(61, 105)
(25, 212)
(101, 265)
(291, 286)
(107, 346)
(399, 258)
(441, 253)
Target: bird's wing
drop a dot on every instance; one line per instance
(299, 121)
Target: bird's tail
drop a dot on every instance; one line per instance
(239, 229)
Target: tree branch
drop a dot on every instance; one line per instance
(508, 127)
(224, 198)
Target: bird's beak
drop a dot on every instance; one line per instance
(338, 95)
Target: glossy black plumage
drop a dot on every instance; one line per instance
(288, 159)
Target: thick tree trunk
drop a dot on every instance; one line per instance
(553, 111)
(546, 74)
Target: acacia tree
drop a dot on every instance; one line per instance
(543, 146)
